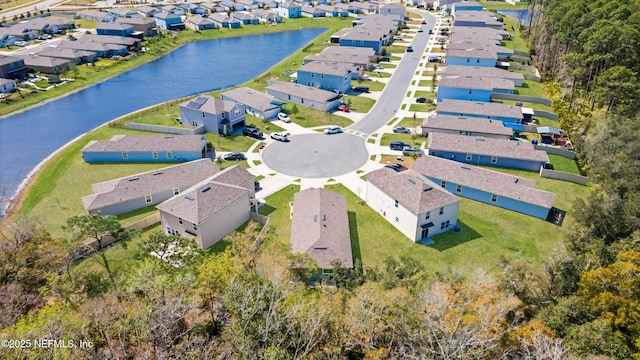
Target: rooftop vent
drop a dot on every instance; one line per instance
(157, 173)
(134, 178)
(206, 189)
(190, 198)
(324, 217)
(315, 218)
(320, 248)
(411, 181)
(464, 167)
(516, 180)
(480, 138)
(427, 188)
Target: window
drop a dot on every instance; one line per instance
(176, 191)
(289, 97)
(442, 225)
(494, 159)
(169, 155)
(467, 59)
(147, 198)
(478, 61)
(494, 198)
(396, 204)
(469, 156)
(237, 112)
(470, 91)
(425, 233)
(313, 75)
(195, 227)
(441, 211)
(464, 133)
(11, 66)
(443, 184)
(301, 101)
(427, 215)
(194, 123)
(203, 114)
(398, 220)
(446, 223)
(154, 154)
(459, 188)
(125, 155)
(180, 220)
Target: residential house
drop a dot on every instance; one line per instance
(364, 7)
(7, 85)
(123, 13)
(485, 72)
(359, 59)
(472, 88)
(198, 23)
(514, 154)
(266, 16)
(100, 49)
(12, 67)
(472, 57)
(509, 192)
(168, 21)
(502, 53)
(349, 8)
(467, 126)
(47, 65)
(216, 115)
(304, 95)
(145, 27)
(173, 9)
(466, 6)
(210, 6)
(194, 9)
(149, 188)
(290, 9)
(148, 11)
(327, 76)
(130, 42)
(332, 11)
(476, 19)
(256, 103)
(95, 15)
(392, 9)
(114, 28)
(141, 148)
(17, 32)
(412, 203)
(268, 4)
(373, 31)
(320, 228)
(210, 210)
(246, 18)
(249, 5)
(52, 24)
(461, 33)
(76, 56)
(485, 110)
(223, 21)
(312, 12)
(230, 5)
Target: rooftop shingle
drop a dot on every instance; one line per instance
(479, 109)
(461, 123)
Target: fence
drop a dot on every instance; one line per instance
(564, 176)
(524, 67)
(531, 99)
(166, 129)
(264, 220)
(521, 53)
(545, 114)
(144, 223)
(556, 151)
(532, 77)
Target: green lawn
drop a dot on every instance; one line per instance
(501, 5)
(430, 83)
(427, 94)
(307, 117)
(517, 41)
(531, 88)
(410, 139)
(422, 107)
(410, 122)
(395, 49)
(360, 103)
(535, 106)
(373, 85)
(377, 74)
(561, 163)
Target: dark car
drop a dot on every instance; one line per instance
(397, 145)
(421, 100)
(410, 150)
(409, 48)
(385, 58)
(361, 89)
(252, 132)
(234, 156)
(434, 59)
(396, 167)
(402, 130)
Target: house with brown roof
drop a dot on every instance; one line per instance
(145, 27)
(46, 65)
(218, 116)
(514, 154)
(460, 125)
(412, 203)
(486, 110)
(358, 58)
(211, 209)
(75, 56)
(143, 148)
(320, 228)
(12, 67)
(304, 95)
(256, 103)
(149, 188)
(509, 192)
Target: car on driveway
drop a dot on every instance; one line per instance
(284, 117)
(421, 100)
(234, 156)
(252, 132)
(333, 130)
(365, 77)
(21, 43)
(397, 145)
(396, 167)
(402, 130)
(424, 22)
(364, 89)
(410, 150)
(377, 66)
(343, 107)
(280, 136)
(434, 59)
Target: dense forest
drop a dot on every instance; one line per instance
(242, 304)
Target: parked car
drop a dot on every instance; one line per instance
(396, 167)
(434, 59)
(284, 117)
(364, 89)
(343, 107)
(21, 43)
(280, 136)
(424, 22)
(252, 132)
(398, 37)
(420, 29)
(333, 130)
(365, 77)
(410, 150)
(384, 58)
(377, 66)
(409, 48)
(402, 130)
(234, 156)
(397, 145)
(421, 100)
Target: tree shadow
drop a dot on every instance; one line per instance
(355, 237)
(451, 238)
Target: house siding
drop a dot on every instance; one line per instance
(304, 102)
(492, 117)
(445, 92)
(143, 156)
(211, 122)
(325, 81)
(375, 45)
(427, 130)
(134, 204)
(486, 160)
(470, 61)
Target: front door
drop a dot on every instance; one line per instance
(425, 233)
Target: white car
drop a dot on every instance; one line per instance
(333, 130)
(365, 77)
(284, 117)
(280, 137)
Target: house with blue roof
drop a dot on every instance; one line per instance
(327, 76)
(485, 110)
(514, 154)
(494, 188)
(290, 9)
(472, 88)
(143, 148)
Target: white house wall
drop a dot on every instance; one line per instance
(230, 218)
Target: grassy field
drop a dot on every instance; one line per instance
(422, 107)
(531, 88)
(405, 138)
(561, 163)
(410, 122)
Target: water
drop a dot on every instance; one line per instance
(26, 139)
(522, 15)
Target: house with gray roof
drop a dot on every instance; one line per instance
(130, 42)
(503, 53)
(96, 15)
(146, 148)
(476, 19)
(247, 18)
(267, 16)
(466, 126)
(494, 188)
(198, 23)
(486, 110)
(514, 154)
(330, 76)
(224, 21)
(12, 67)
(218, 116)
(358, 58)
(304, 95)
(100, 49)
(211, 209)
(123, 12)
(461, 33)
(320, 227)
(256, 103)
(484, 72)
(114, 28)
(312, 12)
(472, 56)
(75, 56)
(290, 9)
(118, 196)
(472, 88)
(46, 65)
(412, 203)
(145, 27)
(148, 11)
(7, 85)
(392, 9)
